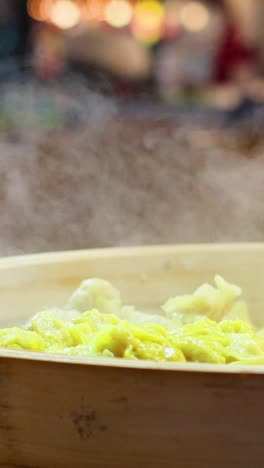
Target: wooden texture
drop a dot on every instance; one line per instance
(66, 412)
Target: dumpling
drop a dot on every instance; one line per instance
(96, 294)
(205, 301)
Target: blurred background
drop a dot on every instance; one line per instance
(128, 122)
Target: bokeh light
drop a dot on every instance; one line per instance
(118, 13)
(34, 9)
(65, 14)
(148, 22)
(194, 16)
(39, 9)
(45, 8)
(94, 11)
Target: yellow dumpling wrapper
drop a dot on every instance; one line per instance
(212, 325)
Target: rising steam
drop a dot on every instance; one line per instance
(89, 178)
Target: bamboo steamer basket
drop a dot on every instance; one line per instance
(60, 412)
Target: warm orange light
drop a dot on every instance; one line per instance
(34, 9)
(194, 16)
(148, 20)
(39, 9)
(45, 8)
(65, 14)
(94, 10)
(118, 13)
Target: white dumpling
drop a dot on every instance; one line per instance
(96, 294)
(214, 302)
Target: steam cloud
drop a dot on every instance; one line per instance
(112, 181)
